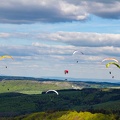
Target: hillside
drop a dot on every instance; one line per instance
(22, 97)
(80, 100)
(29, 85)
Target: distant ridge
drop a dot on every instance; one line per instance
(85, 80)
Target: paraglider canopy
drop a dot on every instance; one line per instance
(5, 56)
(110, 59)
(76, 51)
(52, 91)
(114, 63)
(66, 71)
(76, 55)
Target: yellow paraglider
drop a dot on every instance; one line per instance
(5, 56)
(114, 63)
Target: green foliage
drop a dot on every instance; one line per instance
(86, 116)
(66, 115)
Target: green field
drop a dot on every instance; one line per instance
(31, 87)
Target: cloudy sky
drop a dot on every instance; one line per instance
(42, 35)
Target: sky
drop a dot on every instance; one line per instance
(41, 36)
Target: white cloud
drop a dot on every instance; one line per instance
(4, 35)
(105, 9)
(89, 43)
(25, 11)
(83, 39)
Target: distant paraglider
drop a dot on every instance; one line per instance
(76, 52)
(66, 71)
(53, 91)
(113, 59)
(114, 63)
(5, 56)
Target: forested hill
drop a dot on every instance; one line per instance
(88, 99)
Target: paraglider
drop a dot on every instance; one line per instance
(53, 91)
(76, 53)
(114, 63)
(66, 71)
(5, 56)
(113, 59)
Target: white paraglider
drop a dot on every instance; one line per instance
(52, 91)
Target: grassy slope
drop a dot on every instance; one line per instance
(37, 87)
(31, 87)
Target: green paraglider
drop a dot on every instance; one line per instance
(114, 63)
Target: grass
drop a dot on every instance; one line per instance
(30, 87)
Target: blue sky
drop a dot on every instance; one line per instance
(42, 35)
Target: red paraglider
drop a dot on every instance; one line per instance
(66, 71)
